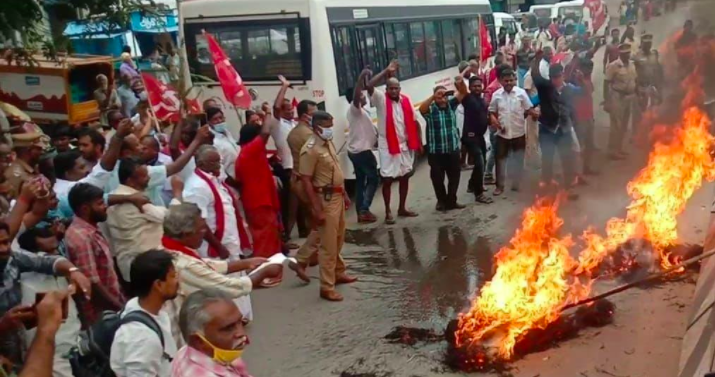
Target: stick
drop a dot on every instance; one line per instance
(652, 277)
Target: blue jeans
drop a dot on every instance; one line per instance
(366, 179)
(491, 161)
(560, 142)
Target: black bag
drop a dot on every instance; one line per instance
(90, 358)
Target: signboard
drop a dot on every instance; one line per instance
(32, 80)
(360, 14)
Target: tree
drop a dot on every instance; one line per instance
(23, 16)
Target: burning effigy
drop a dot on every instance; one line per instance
(522, 308)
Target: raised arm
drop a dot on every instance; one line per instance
(111, 155)
(278, 105)
(462, 90)
(424, 106)
(175, 140)
(202, 136)
(380, 77)
(359, 86)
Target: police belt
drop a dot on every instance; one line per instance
(623, 92)
(334, 190)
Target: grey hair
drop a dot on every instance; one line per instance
(463, 65)
(203, 151)
(193, 316)
(180, 219)
(101, 76)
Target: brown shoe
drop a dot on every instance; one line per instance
(345, 279)
(313, 261)
(331, 295)
(366, 219)
(299, 269)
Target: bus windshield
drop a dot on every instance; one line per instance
(571, 12)
(528, 21)
(259, 51)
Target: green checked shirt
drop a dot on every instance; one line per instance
(442, 131)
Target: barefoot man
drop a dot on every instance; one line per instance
(398, 138)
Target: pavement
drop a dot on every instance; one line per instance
(422, 271)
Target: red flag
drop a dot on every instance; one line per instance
(231, 83)
(485, 40)
(598, 13)
(163, 98)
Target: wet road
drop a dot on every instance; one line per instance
(423, 271)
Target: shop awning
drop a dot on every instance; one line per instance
(149, 23)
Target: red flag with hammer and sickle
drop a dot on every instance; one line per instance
(231, 82)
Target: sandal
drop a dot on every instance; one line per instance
(483, 199)
(498, 192)
(407, 213)
(389, 220)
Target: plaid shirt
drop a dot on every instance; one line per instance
(89, 251)
(192, 363)
(12, 343)
(442, 131)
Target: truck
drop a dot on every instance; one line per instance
(54, 91)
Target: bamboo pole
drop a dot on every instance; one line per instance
(646, 279)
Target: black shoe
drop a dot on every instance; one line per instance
(440, 207)
(456, 206)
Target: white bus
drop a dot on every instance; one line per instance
(322, 45)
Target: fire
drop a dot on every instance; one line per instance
(529, 287)
(536, 276)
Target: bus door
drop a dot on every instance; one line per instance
(370, 43)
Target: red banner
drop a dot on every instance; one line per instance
(485, 40)
(164, 99)
(231, 83)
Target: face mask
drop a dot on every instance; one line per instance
(220, 127)
(309, 119)
(226, 357)
(326, 133)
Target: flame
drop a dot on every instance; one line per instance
(535, 275)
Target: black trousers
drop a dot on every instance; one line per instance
(510, 157)
(478, 150)
(442, 164)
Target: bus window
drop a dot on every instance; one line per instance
(471, 36)
(258, 51)
(418, 46)
(345, 57)
(432, 54)
(450, 39)
(398, 47)
(510, 26)
(574, 12)
(543, 13)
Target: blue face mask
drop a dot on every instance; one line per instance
(326, 133)
(220, 127)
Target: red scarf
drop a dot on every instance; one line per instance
(413, 140)
(220, 220)
(172, 244)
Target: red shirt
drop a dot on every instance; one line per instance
(258, 189)
(584, 102)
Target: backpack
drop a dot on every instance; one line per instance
(90, 357)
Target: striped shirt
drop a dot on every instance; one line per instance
(442, 131)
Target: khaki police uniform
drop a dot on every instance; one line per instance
(649, 80)
(319, 161)
(297, 138)
(621, 79)
(19, 171)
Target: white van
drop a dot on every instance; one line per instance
(567, 8)
(506, 20)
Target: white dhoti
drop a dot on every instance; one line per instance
(395, 165)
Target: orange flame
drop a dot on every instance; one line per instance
(536, 277)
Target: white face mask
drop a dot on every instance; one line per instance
(326, 133)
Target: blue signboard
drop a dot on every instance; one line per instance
(146, 23)
(32, 80)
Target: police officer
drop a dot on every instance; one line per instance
(619, 95)
(324, 184)
(650, 77)
(29, 148)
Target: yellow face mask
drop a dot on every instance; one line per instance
(223, 356)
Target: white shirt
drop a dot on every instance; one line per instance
(197, 191)
(279, 133)
(132, 232)
(97, 177)
(544, 69)
(228, 149)
(362, 133)
(136, 350)
(379, 101)
(510, 108)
